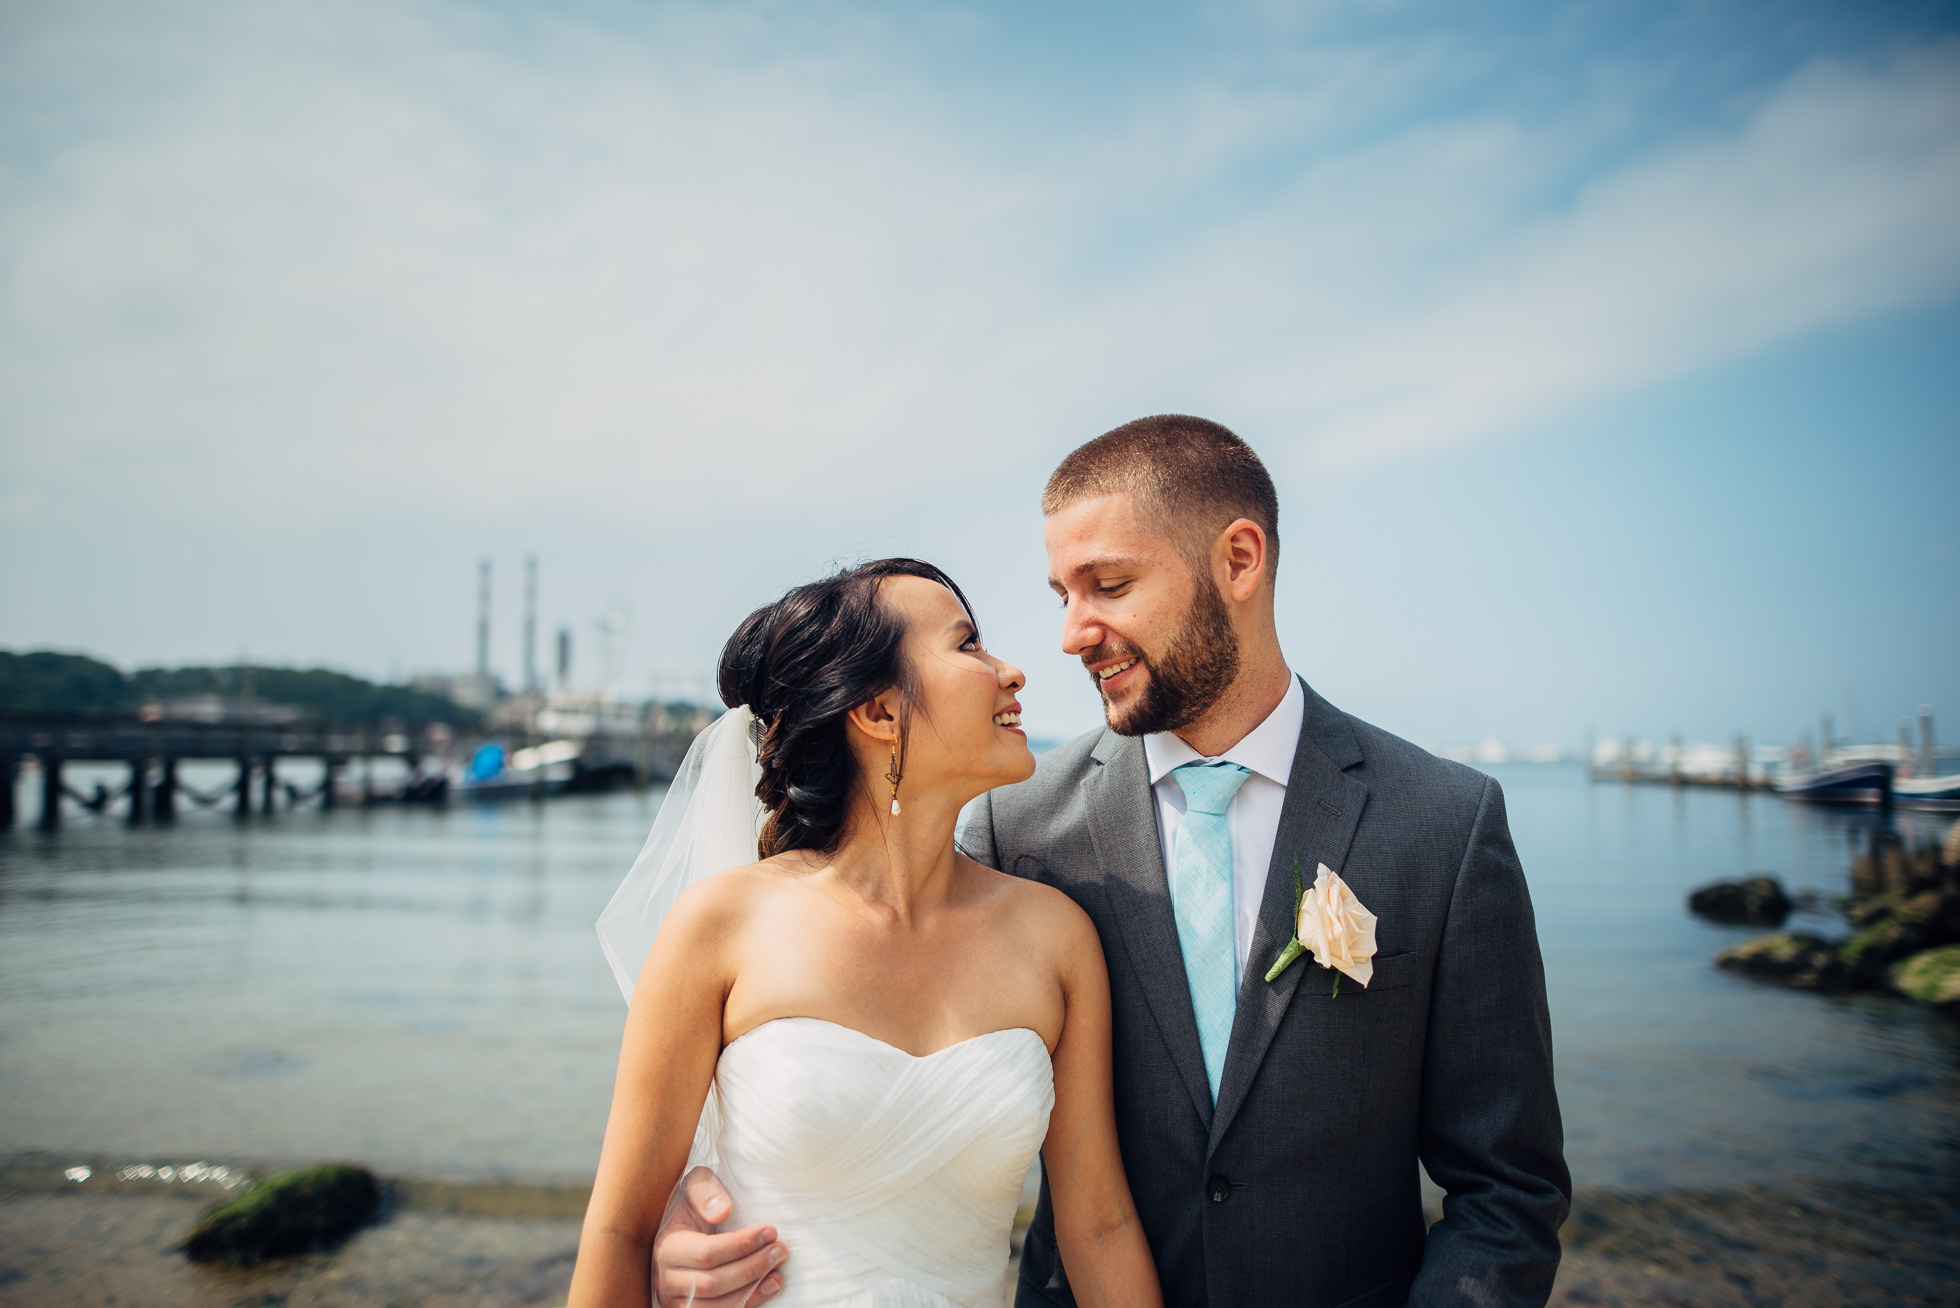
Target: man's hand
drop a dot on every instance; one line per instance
(696, 1266)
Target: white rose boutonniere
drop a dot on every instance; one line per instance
(1332, 925)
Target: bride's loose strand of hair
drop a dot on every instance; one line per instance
(802, 664)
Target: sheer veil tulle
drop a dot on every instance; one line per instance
(709, 821)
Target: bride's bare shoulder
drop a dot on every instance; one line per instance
(717, 904)
(1041, 911)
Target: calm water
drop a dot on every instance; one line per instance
(422, 991)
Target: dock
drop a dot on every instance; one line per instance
(151, 752)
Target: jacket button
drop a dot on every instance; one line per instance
(1220, 1188)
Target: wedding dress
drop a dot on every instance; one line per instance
(892, 1179)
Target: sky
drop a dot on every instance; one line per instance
(1606, 356)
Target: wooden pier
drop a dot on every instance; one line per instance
(152, 751)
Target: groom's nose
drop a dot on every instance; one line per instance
(1080, 631)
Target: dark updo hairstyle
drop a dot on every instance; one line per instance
(801, 665)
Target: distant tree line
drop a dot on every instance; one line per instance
(47, 682)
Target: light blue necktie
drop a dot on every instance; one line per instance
(1201, 896)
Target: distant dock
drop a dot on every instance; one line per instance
(1831, 773)
(151, 751)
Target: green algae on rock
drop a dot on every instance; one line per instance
(1904, 911)
(1931, 976)
(315, 1208)
(1804, 961)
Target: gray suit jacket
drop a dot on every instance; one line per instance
(1300, 1185)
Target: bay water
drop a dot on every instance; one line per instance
(421, 990)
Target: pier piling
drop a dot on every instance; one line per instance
(244, 788)
(9, 779)
(268, 786)
(139, 791)
(163, 802)
(50, 791)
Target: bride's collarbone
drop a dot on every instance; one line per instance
(921, 984)
(919, 1006)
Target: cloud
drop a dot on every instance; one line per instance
(1831, 204)
(369, 259)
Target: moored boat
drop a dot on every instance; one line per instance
(1864, 782)
(545, 769)
(1939, 794)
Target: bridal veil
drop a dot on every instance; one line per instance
(709, 821)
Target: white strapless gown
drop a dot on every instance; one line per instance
(892, 1179)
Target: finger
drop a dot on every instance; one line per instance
(742, 1298)
(701, 1251)
(768, 1288)
(733, 1281)
(706, 1196)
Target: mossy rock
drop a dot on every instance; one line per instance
(1757, 901)
(314, 1209)
(1791, 957)
(1931, 977)
(1881, 944)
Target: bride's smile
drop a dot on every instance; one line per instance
(965, 733)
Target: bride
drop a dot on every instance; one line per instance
(867, 1033)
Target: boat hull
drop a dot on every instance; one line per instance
(1858, 783)
(1934, 794)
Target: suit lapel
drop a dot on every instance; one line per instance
(1316, 825)
(1123, 824)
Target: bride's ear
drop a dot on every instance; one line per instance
(877, 717)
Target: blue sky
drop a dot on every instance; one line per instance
(1605, 355)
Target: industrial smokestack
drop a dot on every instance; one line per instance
(565, 658)
(483, 618)
(531, 624)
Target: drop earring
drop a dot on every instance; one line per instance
(893, 777)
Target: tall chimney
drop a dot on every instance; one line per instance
(483, 618)
(565, 659)
(531, 624)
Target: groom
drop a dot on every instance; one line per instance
(1270, 1129)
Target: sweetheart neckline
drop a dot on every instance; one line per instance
(865, 1035)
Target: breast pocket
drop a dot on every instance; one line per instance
(1396, 972)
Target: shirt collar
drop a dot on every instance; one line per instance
(1267, 749)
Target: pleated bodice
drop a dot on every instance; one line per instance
(893, 1179)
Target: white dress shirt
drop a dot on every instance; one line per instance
(1253, 815)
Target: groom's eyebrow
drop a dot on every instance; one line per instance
(1089, 566)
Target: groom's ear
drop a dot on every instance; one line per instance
(1241, 558)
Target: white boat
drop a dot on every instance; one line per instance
(540, 769)
(1938, 794)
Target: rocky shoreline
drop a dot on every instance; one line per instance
(64, 1244)
(1903, 912)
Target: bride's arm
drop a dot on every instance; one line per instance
(1096, 1223)
(666, 1063)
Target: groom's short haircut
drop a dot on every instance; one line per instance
(1192, 475)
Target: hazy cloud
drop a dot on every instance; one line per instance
(367, 252)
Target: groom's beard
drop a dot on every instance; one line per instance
(1194, 670)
